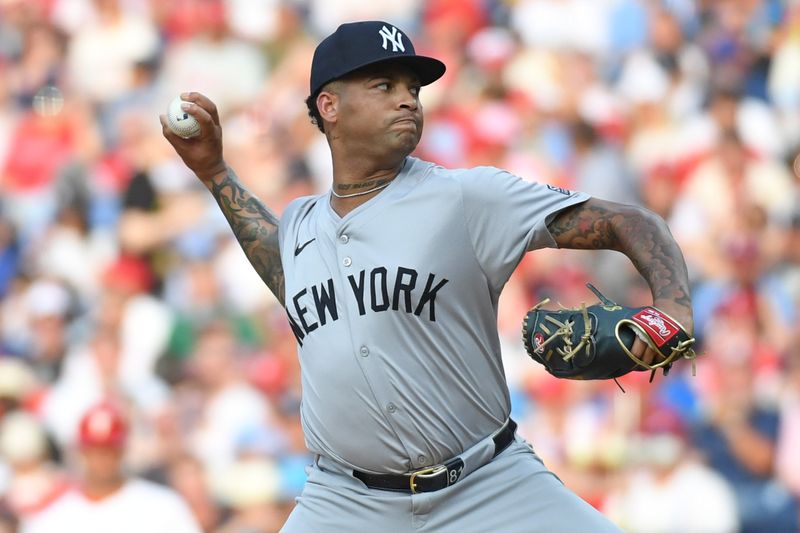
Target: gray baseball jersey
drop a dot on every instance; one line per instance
(394, 307)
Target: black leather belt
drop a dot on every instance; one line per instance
(435, 477)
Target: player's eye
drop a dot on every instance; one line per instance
(383, 86)
(415, 91)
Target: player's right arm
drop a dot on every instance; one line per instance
(253, 224)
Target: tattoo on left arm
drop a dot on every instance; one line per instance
(638, 233)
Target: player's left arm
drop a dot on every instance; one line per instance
(641, 235)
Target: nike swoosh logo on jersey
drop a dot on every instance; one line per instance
(302, 247)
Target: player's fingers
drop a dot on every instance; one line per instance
(203, 117)
(652, 357)
(641, 350)
(170, 135)
(204, 102)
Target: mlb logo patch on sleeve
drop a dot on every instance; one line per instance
(559, 189)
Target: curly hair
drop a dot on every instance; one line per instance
(332, 86)
(313, 111)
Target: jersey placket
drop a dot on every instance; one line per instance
(364, 344)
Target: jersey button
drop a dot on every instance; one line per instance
(347, 261)
(364, 351)
(422, 460)
(344, 239)
(391, 407)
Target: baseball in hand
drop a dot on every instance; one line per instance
(181, 122)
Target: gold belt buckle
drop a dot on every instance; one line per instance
(426, 472)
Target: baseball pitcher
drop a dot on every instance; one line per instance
(390, 283)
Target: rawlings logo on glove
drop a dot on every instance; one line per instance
(660, 327)
(595, 342)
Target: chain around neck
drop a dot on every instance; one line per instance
(379, 187)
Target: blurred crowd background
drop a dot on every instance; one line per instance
(120, 280)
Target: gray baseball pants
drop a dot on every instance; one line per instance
(514, 493)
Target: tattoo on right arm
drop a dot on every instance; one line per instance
(255, 227)
(638, 233)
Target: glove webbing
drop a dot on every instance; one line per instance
(565, 332)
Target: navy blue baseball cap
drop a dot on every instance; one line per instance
(358, 44)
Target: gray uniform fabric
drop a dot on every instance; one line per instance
(394, 307)
(515, 493)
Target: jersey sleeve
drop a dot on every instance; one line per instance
(507, 216)
(286, 219)
(292, 215)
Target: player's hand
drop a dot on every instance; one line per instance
(203, 153)
(601, 341)
(679, 312)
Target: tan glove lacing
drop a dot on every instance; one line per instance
(683, 349)
(565, 332)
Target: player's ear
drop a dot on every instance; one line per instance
(328, 105)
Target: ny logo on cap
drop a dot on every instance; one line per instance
(394, 37)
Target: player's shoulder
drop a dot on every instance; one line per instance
(300, 206)
(434, 170)
(61, 512)
(458, 180)
(295, 212)
(67, 499)
(153, 495)
(163, 501)
(475, 183)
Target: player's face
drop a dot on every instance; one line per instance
(102, 464)
(380, 109)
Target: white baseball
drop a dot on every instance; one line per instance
(181, 122)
